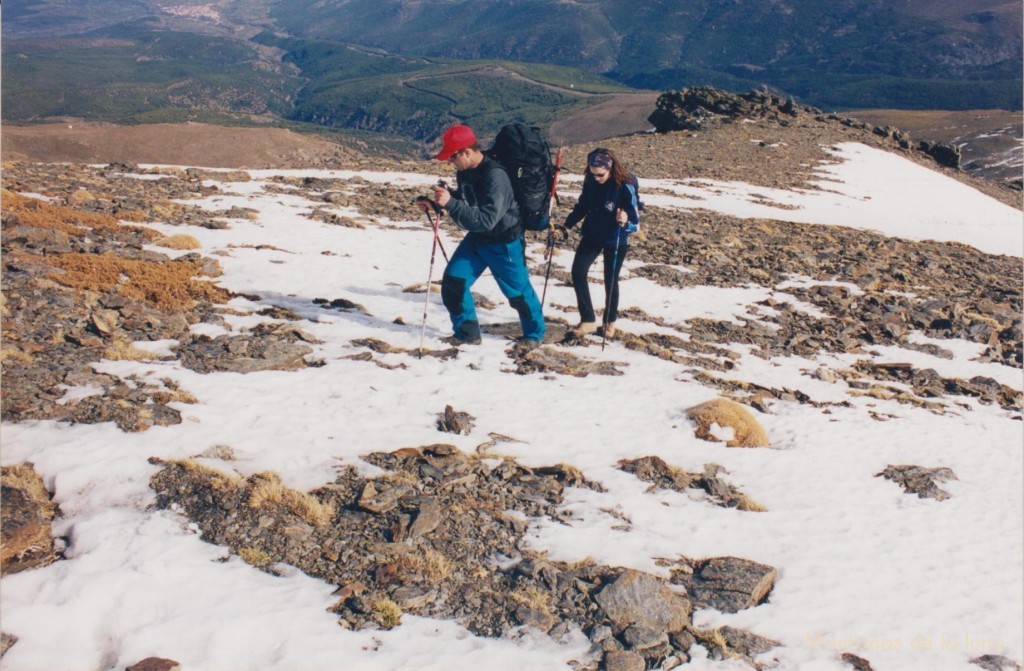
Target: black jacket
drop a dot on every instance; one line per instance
(484, 205)
(597, 206)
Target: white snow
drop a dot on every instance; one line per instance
(907, 583)
(866, 188)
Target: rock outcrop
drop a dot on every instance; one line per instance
(26, 539)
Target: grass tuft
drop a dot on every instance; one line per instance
(267, 489)
(387, 613)
(726, 413)
(429, 563)
(178, 242)
(255, 557)
(122, 349)
(218, 479)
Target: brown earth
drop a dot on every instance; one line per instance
(938, 125)
(722, 151)
(619, 115)
(194, 144)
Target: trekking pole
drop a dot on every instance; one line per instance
(549, 255)
(436, 222)
(608, 299)
(549, 250)
(437, 212)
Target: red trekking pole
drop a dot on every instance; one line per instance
(548, 252)
(435, 223)
(437, 212)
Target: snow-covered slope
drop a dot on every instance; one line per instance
(907, 583)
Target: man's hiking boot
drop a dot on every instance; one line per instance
(456, 340)
(583, 328)
(469, 334)
(609, 330)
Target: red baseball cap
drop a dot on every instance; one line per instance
(456, 138)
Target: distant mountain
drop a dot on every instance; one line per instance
(910, 54)
(846, 53)
(403, 70)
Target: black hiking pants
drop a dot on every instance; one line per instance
(586, 253)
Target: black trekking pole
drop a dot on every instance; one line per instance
(549, 254)
(549, 251)
(608, 298)
(435, 223)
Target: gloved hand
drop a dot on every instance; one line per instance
(426, 204)
(561, 233)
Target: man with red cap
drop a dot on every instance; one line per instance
(484, 206)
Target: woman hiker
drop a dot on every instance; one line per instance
(608, 207)
(483, 205)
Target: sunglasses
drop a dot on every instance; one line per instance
(599, 175)
(452, 158)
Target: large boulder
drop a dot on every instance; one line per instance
(638, 598)
(945, 154)
(728, 584)
(692, 108)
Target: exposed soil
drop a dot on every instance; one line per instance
(195, 144)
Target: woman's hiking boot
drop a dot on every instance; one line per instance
(583, 328)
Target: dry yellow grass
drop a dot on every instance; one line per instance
(750, 505)
(712, 639)
(255, 557)
(581, 563)
(167, 286)
(13, 354)
(122, 349)
(174, 396)
(387, 613)
(399, 478)
(133, 215)
(429, 563)
(267, 489)
(728, 414)
(532, 597)
(180, 241)
(40, 214)
(218, 479)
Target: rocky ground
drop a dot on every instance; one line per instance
(765, 141)
(440, 534)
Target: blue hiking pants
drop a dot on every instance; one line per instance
(507, 261)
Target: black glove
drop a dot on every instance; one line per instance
(425, 202)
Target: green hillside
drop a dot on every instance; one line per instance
(406, 69)
(830, 54)
(119, 74)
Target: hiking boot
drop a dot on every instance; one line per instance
(583, 328)
(609, 330)
(456, 340)
(524, 345)
(469, 334)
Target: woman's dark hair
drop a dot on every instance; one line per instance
(618, 171)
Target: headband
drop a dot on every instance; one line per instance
(600, 159)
